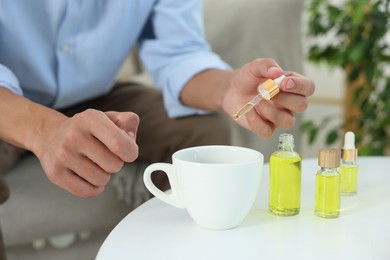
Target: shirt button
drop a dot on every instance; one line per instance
(65, 47)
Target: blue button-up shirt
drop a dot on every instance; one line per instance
(62, 52)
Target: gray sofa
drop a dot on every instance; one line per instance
(41, 221)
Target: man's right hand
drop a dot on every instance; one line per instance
(77, 153)
(80, 153)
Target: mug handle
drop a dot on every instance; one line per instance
(170, 198)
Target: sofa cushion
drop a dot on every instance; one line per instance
(45, 210)
(9, 155)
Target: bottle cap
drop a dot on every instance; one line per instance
(349, 152)
(270, 87)
(329, 157)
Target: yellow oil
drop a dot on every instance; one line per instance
(327, 203)
(285, 183)
(243, 110)
(348, 174)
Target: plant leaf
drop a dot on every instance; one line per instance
(332, 137)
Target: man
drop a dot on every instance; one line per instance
(58, 98)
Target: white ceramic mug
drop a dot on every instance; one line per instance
(216, 184)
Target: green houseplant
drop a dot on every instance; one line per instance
(351, 35)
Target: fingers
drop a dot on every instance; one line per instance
(126, 121)
(76, 185)
(81, 152)
(85, 180)
(261, 69)
(297, 84)
(279, 117)
(264, 68)
(61, 164)
(114, 138)
(279, 112)
(292, 102)
(252, 74)
(98, 153)
(258, 125)
(94, 151)
(266, 117)
(89, 171)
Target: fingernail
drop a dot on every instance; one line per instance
(273, 68)
(290, 84)
(131, 135)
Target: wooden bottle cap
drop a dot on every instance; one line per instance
(329, 157)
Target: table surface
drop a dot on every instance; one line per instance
(156, 230)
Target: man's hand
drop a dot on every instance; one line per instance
(80, 153)
(218, 90)
(264, 118)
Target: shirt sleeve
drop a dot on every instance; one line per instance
(9, 81)
(173, 49)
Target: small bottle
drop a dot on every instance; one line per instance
(285, 178)
(348, 168)
(327, 203)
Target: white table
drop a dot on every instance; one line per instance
(156, 230)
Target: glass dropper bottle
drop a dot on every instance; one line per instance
(267, 90)
(327, 195)
(348, 167)
(285, 178)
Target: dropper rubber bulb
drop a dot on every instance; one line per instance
(349, 140)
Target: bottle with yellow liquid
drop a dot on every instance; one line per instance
(327, 203)
(348, 168)
(285, 178)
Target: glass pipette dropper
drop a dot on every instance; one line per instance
(267, 90)
(248, 106)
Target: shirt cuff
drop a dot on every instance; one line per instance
(180, 74)
(9, 81)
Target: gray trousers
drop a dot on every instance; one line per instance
(2, 249)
